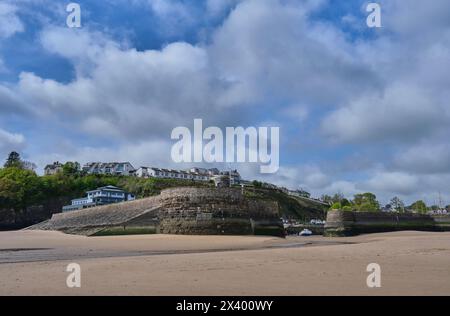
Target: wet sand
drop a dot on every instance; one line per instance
(412, 263)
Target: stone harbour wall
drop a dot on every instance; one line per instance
(193, 211)
(342, 223)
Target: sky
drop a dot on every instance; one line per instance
(359, 109)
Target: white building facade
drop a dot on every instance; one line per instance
(195, 174)
(109, 168)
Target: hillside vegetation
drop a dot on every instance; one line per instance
(291, 207)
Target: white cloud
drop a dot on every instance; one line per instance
(2, 66)
(146, 94)
(217, 8)
(10, 102)
(297, 112)
(416, 19)
(394, 183)
(425, 158)
(10, 23)
(139, 93)
(83, 47)
(272, 50)
(10, 142)
(174, 16)
(402, 112)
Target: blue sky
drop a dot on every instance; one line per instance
(359, 109)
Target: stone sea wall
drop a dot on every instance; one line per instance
(342, 223)
(194, 211)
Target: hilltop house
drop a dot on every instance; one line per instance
(101, 196)
(54, 168)
(109, 168)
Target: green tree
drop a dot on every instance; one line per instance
(338, 197)
(336, 206)
(345, 202)
(366, 202)
(419, 206)
(257, 184)
(397, 204)
(13, 160)
(327, 199)
(19, 189)
(71, 168)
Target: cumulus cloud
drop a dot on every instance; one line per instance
(417, 20)
(425, 158)
(274, 51)
(217, 8)
(402, 112)
(409, 57)
(10, 23)
(379, 97)
(10, 142)
(175, 17)
(121, 88)
(139, 93)
(11, 102)
(394, 183)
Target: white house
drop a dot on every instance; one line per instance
(196, 174)
(53, 169)
(112, 168)
(101, 196)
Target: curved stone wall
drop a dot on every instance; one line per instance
(216, 211)
(176, 211)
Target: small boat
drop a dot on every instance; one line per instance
(306, 232)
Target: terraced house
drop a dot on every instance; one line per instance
(112, 168)
(196, 174)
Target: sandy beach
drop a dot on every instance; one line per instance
(412, 263)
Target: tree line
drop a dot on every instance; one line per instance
(367, 202)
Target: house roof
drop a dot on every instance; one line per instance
(107, 188)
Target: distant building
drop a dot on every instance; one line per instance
(28, 165)
(160, 173)
(53, 169)
(388, 209)
(109, 168)
(438, 212)
(205, 172)
(221, 181)
(101, 196)
(235, 177)
(300, 193)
